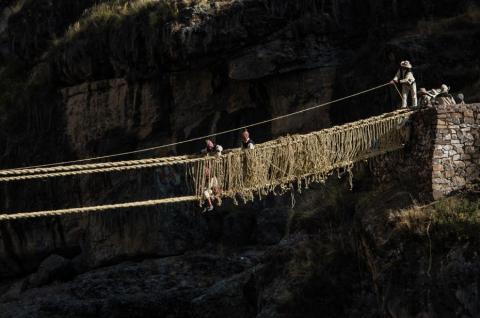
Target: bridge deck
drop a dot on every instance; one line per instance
(277, 164)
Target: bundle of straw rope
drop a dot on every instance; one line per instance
(299, 159)
(272, 167)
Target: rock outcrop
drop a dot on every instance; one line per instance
(87, 78)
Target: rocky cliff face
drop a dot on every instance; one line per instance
(88, 78)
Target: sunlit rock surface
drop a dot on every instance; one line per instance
(161, 74)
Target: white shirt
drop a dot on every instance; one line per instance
(218, 150)
(407, 77)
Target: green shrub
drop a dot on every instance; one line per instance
(451, 219)
(102, 17)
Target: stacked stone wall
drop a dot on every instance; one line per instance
(456, 156)
(410, 170)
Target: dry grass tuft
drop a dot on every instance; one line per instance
(455, 216)
(114, 12)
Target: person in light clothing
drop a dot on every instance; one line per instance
(406, 79)
(212, 148)
(444, 97)
(247, 143)
(211, 192)
(426, 98)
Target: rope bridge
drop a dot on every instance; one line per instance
(272, 167)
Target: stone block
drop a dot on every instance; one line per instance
(438, 168)
(437, 174)
(448, 167)
(440, 181)
(471, 150)
(459, 164)
(450, 174)
(459, 181)
(441, 122)
(438, 194)
(459, 149)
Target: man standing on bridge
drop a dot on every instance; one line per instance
(405, 77)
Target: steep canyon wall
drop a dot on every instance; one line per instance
(122, 81)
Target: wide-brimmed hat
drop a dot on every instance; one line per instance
(422, 91)
(406, 64)
(444, 88)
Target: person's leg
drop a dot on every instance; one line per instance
(405, 90)
(414, 95)
(208, 197)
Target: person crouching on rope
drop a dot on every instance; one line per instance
(212, 148)
(211, 192)
(405, 77)
(247, 143)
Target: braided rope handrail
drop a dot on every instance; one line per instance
(90, 209)
(92, 166)
(62, 171)
(210, 135)
(93, 171)
(136, 204)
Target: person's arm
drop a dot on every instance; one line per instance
(251, 146)
(435, 92)
(409, 79)
(219, 150)
(397, 76)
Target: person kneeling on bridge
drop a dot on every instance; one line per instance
(212, 148)
(247, 143)
(460, 99)
(405, 77)
(444, 98)
(211, 192)
(426, 97)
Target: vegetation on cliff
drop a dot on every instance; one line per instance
(114, 39)
(214, 65)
